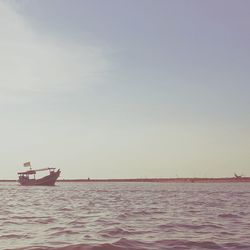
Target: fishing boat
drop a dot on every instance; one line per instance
(28, 178)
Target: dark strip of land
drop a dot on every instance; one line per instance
(8, 180)
(169, 180)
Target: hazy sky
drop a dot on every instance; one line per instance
(119, 89)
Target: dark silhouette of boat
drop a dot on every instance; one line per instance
(28, 178)
(237, 176)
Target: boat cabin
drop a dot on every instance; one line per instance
(32, 173)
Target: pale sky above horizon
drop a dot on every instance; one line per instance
(125, 89)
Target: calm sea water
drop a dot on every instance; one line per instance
(125, 216)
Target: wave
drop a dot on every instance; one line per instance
(174, 226)
(229, 215)
(125, 244)
(14, 236)
(64, 232)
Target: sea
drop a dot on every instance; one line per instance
(136, 216)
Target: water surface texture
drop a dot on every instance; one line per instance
(80, 216)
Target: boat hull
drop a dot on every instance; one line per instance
(48, 180)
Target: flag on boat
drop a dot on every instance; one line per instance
(27, 164)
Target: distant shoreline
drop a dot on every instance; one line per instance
(161, 180)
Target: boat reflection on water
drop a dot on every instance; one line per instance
(28, 178)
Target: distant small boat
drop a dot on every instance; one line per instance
(237, 176)
(28, 178)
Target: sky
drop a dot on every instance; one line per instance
(125, 89)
